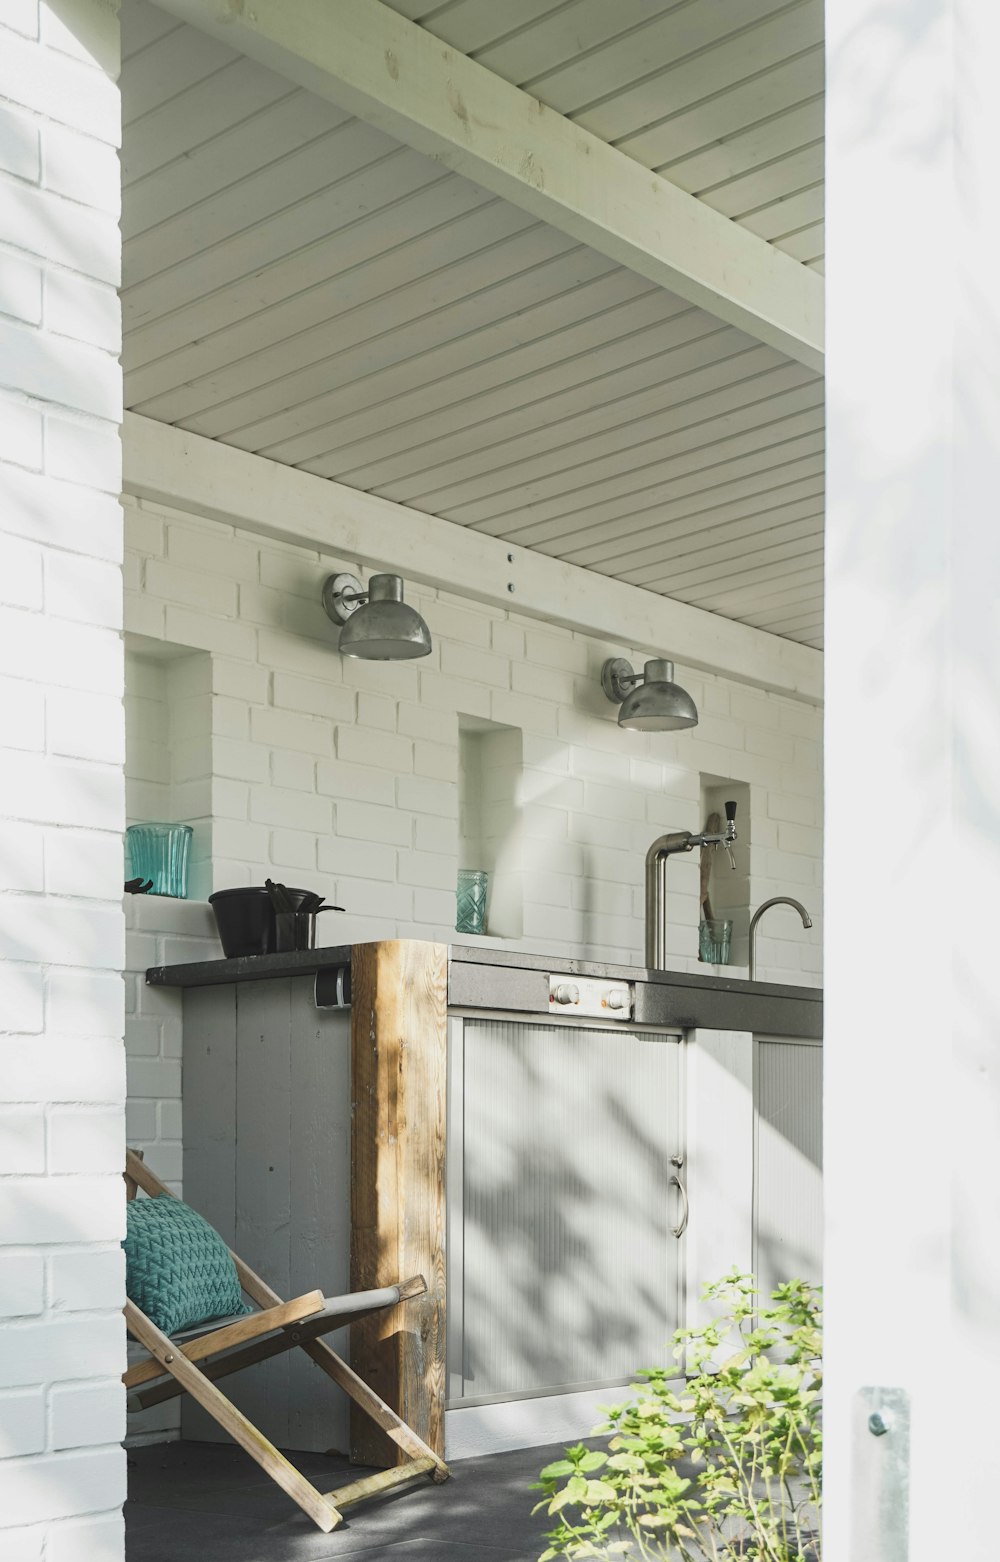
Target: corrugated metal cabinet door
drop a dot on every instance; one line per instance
(565, 1267)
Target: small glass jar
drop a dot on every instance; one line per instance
(471, 900)
(160, 852)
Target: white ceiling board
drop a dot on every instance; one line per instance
(471, 25)
(724, 560)
(222, 164)
(806, 625)
(501, 405)
(299, 285)
(146, 25)
(186, 123)
(333, 275)
(768, 508)
(705, 545)
(801, 209)
(740, 110)
(684, 450)
(243, 204)
(760, 147)
(766, 186)
(534, 463)
(806, 244)
(581, 367)
(591, 50)
(170, 65)
(570, 521)
(292, 397)
(762, 568)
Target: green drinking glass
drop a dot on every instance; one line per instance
(714, 939)
(471, 900)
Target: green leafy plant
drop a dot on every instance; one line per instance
(716, 1459)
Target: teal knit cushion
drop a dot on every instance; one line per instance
(178, 1270)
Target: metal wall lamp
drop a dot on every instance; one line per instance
(650, 701)
(377, 625)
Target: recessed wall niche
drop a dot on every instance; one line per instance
(168, 746)
(489, 817)
(729, 890)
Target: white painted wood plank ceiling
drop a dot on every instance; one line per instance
(299, 285)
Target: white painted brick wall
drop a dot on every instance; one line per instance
(62, 1073)
(341, 775)
(159, 931)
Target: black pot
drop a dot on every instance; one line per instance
(246, 921)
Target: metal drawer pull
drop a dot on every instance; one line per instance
(675, 1182)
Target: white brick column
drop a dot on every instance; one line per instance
(912, 1053)
(62, 1076)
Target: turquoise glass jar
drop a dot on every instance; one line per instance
(471, 900)
(161, 852)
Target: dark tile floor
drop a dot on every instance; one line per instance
(209, 1503)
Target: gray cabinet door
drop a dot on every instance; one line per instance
(788, 1155)
(267, 1159)
(563, 1265)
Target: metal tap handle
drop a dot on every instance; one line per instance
(730, 833)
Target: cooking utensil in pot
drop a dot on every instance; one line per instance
(280, 898)
(247, 918)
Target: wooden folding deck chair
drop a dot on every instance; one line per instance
(184, 1365)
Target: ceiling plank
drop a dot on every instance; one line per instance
(392, 73)
(170, 466)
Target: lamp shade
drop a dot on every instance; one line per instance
(658, 704)
(385, 628)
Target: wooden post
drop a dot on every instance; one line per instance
(399, 994)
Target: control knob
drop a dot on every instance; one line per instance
(567, 992)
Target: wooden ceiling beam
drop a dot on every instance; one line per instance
(394, 74)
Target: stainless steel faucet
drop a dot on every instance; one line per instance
(656, 881)
(777, 900)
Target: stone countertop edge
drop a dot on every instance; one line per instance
(305, 962)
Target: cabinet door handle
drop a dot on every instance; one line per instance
(675, 1182)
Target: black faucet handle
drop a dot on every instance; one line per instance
(730, 812)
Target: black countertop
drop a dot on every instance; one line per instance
(498, 979)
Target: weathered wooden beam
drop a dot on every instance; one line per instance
(392, 73)
(398, 1097)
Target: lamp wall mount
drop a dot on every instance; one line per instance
(342, 596)
(618, 678)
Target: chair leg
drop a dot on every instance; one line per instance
(319, 1508)
(382, 1414)
(385, 1480)
(356, 1388)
